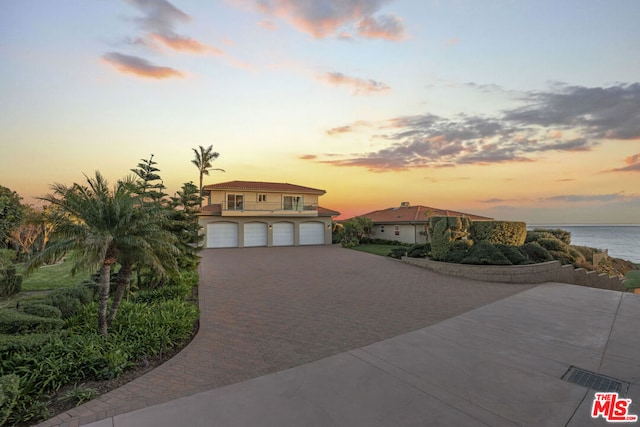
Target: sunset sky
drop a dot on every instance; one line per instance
(518, 110)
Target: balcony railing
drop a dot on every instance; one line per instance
(269, 206)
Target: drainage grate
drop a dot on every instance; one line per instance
(595, 381)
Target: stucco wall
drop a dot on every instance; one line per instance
(552, 271)
(409, 233)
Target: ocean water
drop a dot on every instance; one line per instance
(622, 241)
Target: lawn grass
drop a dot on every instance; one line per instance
(375, 248)
(49, 277)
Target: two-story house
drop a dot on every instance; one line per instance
(250, 213)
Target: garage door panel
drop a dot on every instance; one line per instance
(222, 235)
(283, 233)
(312, 233)
(255, 234)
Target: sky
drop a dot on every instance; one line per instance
(517, 110)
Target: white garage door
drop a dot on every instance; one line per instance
(222, 235)
(283, 234)
(255, 234)
(312, 233)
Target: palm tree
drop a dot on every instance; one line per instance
(103, 227)
(204, 157)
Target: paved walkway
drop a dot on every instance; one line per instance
(498, 365)
(264, 310)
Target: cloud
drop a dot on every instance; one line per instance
(139, 67)
(610, 112)
(360, 86)
(334, 18)
(185, 44)
(566, 119)
(308, 157)
(387, 27)
(586, 198)
(633, 164)
(452, 42)
(347, 128)
(494, 200)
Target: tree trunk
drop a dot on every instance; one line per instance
(201, 174)
(124, 279)
(103, 298)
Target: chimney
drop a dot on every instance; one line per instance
(404, 204)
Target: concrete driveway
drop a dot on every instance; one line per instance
(264, 310)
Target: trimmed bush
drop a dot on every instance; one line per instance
(398, 252)
(419, 250)
(535, 253)
(513, 254)
(553, 244)
(16, 322)
(9, 392)
(499, 232)
(485, 253)
(70, 300)
(42, 310)
(558, 233)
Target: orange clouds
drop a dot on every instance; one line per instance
(185, 44)
(360, 86)
(139, 67)
(335, 18)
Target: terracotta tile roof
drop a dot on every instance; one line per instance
(415, 214)
(327, 212)
(262, 186)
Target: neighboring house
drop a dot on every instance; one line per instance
(249, 213)
(408, 224)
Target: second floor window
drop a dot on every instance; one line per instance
(235, 202)
(262, 197)
(292, 203)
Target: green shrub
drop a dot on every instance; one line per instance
(30, 342)
(398, 252)
(70, 300)
(632, 279)
(499, 232)
(10, 281)
(513, 254)
(553, 244)
(9, 392)
(377, 241)
(16, 322)
(536, 253)
(558, 233)
(419, 250)
(440, 238)
(42, 310)
(7, 257)
(485, 253)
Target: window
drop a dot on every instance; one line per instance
(396, 230)
(262, 197)
(234, 202)
(292, 203)
(382, 228)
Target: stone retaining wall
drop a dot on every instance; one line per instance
(552, 271)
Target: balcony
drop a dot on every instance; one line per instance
(244, 208)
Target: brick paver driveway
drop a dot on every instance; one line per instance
(267, 309)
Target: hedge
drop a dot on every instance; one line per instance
(16, 322)
(503, 232)
(485, 253)
(558, 233)
(42, 310)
